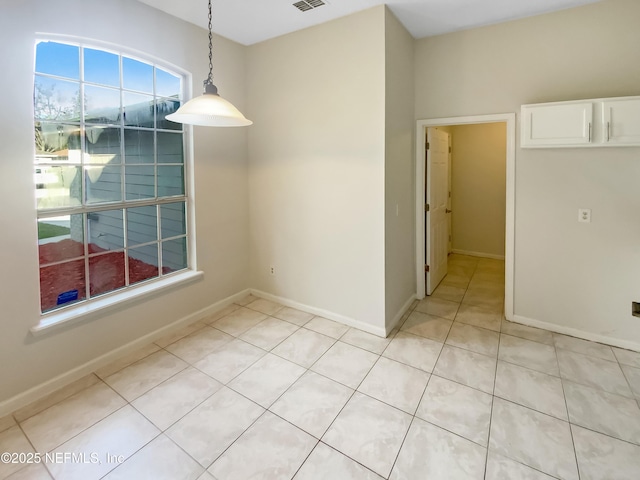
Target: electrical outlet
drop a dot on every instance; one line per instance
(272, 270)
(584, 215)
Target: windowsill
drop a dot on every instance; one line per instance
(67, 316)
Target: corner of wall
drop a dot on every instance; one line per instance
(399, 177)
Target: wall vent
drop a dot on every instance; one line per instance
(306, 5)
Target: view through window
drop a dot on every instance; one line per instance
(109, 172)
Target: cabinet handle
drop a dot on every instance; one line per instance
(608, 131)
(589, 131)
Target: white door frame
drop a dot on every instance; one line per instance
(422, 125)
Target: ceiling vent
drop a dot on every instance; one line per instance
(306, 5)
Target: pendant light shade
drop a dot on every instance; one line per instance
(209, 109)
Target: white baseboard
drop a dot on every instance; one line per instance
(351, 322)
(35, 393)
(574, 332)
(478, 254)
(25, 398)
(400, 314)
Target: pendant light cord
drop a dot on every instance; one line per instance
(209, 79)
(209, 109)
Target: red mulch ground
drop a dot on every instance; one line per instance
(106, 272)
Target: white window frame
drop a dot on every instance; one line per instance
(104, 303)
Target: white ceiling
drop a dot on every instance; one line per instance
(252, 21)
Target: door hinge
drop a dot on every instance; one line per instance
(427, 145)
(449, 149)
(426, 268)
(426, 207)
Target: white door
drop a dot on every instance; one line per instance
(449, 243)
(557, 124)
(621, 119)
(437, 223)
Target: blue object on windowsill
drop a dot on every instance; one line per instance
(66, 297)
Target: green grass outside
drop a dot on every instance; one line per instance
(47, 230)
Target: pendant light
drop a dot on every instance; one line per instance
(209, 109)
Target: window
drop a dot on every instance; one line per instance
(109, 173)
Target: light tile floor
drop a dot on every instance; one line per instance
(263, 391)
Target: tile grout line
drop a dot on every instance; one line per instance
(414, 416)
(347, 402)
(511, 362)
(605, 435)
(634, 396)
(241, 372)
(283, 393)
(337, 415)
(130, 404)
(162, 432)
(598, 387)
(404, 439)
(494, 376)
(84, 429)
(267, 409)
(13, 414)
(249, 399)
(352, 459)
(34, 449)
(191, 410)
(239, 436)
(314, 362)
(493, 398)
(566, 405)
(308, 455)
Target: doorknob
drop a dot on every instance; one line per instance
(447, 210)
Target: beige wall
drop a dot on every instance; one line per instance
(568, 274)
(399, 169)
(316, 178)
(221, 187)
(478, 188)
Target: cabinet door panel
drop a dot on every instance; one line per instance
(621, 120)
(556, 125)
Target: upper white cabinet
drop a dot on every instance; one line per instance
(603, 122)
(557, 124)
(621, 118)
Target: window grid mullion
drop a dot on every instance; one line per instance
(87, 280)
(110, 206)
(175, 237)
(66, 260)
(106, 252)
(159, 246)
(155, 163)
(83, 137)
(125, 239)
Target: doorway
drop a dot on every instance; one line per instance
(429, 225)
